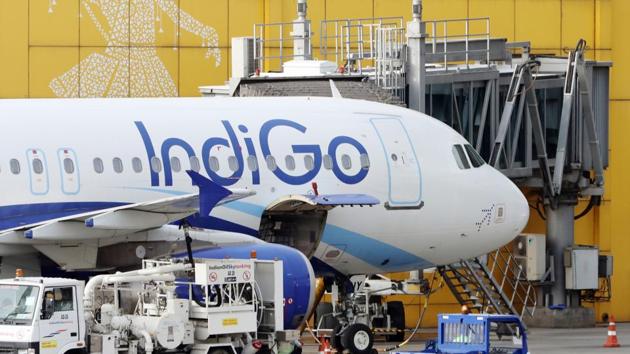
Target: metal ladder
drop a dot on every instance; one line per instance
(497, 285)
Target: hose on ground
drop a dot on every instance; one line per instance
(419, 322)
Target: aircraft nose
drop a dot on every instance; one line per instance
(520, 208)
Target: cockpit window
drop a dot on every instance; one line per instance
(475, 159)
(460, 157)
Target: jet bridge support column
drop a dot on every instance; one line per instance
(560, 228)
(416, 59)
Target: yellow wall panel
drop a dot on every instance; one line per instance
(54, 24)
(153, 72)
(620, 234)
(46, 64)
(388, 8)
(603, 25)
(441, 10)
(201, 21)
(342, 9)
(578, 22)
(103, 72)
(501, 13)
(538, 21)
(196, 70)
(243, 15)
(97, 29)
(13, 49)
(620, 86)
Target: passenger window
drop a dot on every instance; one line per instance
(176, 165)
(309, 163)
(271, 163)
(232, 163)
(214, 163)
(252, 163)
(328, 162)
(98, 165)
(14, 164)
(460, 157)
(346, 162)
(68, 165)
(156, 164)
(365, 161)
(118, 165)
(194, 164)
(475, 159)
(136, 164)
(38, 166)
(290, 161)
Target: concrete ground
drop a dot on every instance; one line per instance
(540, 340)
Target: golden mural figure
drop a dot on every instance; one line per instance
(130, 65)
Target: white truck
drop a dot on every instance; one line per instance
(159, 308)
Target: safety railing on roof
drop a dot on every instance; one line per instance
(350, 42)
(273, 44)
(445, 38)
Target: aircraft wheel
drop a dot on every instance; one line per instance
(358, 339)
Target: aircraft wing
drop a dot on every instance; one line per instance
(126, 219)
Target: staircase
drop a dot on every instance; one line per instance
(496, 285)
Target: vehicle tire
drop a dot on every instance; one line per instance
(396, 312)
(358, 339)
(329, 322)
(335, 339)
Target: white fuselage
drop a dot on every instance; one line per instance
(431, 211)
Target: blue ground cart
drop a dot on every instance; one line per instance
(479, 334)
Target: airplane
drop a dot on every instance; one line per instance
(357, 187)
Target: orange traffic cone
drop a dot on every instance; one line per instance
(611, 341)
(322, 346)
(327, 349)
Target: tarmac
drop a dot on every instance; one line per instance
(540, 340)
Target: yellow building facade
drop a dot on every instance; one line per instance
(123, 48)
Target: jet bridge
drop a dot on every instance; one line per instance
(540, 119)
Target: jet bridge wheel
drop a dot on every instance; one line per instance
(358, 339)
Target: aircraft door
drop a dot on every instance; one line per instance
(70, 182)
(405, 179)
(59, 322)
(38, 171)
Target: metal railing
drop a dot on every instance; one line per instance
(442, 33)
(391, 60)
(272, 38)
(352, 41)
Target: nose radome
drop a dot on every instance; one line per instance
(521, 210)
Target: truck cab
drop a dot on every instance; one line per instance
(41, 315)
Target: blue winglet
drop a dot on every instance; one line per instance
(210, 193)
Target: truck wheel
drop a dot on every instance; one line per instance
(396, 312)
(358, 339)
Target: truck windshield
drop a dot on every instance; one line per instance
(17, 303)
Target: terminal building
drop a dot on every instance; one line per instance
(469, 52)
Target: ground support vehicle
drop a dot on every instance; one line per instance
(228, 305)
(478, 333)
